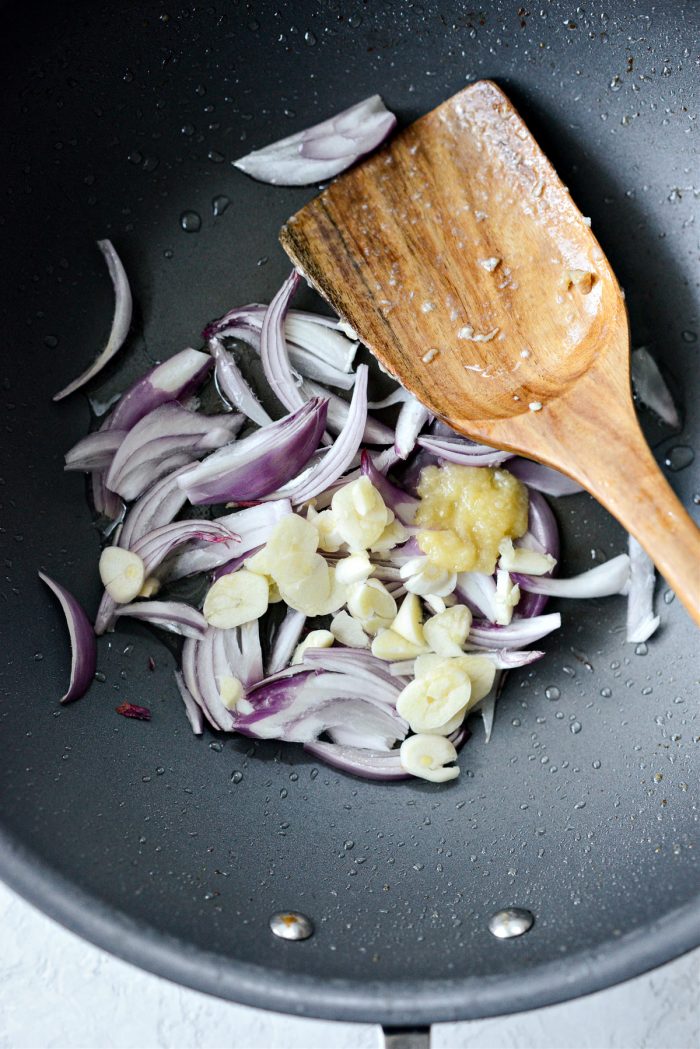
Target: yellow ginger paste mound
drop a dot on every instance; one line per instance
(469, 510)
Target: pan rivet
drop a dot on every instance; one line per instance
(510, 922)
(291, 925)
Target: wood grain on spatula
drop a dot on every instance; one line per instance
(459, 258)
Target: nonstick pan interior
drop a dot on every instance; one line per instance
(121, 120)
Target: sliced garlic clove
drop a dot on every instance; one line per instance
(373, 625)
(521, 559)
(409, 621)
(437, 582)
(354, 569)
(234, 599)
(450, 726)
(370, 598)
(310, 590)
(431, 701)
(425, 756)
(391, 646)
(122, 573)
(231, 691)
(506, 598)
(426, 664)
(393, 535)
(447, 631)
(150, 587)
(315, 639)
(329, 538)
(348, 631)
(436, 604)
(290, 550)
(360, 513)
(481, 672)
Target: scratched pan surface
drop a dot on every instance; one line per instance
(171, 851)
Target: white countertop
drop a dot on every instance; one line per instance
(58, 992)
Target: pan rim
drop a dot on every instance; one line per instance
(396, 1004)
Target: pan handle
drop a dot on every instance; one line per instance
(406, 1037)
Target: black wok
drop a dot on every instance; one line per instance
(115, 119)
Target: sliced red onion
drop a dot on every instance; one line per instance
(357, 662)
(82, 641)
(234, 387)
(518, 633)
(155, 546)
(261, 463)
(345, 447)
(254, 525)
(543, 478)
(487, 709)
(156, 507)
(460, 450)
(174, 616)
(612, 577)
(397, 396)
(404, 506)
(375, 432)
(301, 707)
(273, 347)
(511, 658)
(173, 380)
(322, 352)
(542, 535)
(412, 418)
(199, 659)
(411, 474)
(502, 659)
(316, 348)
(378, 765)
(94, 452)
(650, 388)
(477, 590)
(105, 502)
(324, 150)
(120, 322)
(243, 652)
(194, 713)
(229, 567)
(166, 439)
(641, 621)
(381, 765)
(285, 640)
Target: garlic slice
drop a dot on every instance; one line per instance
(447, 631)
(235, 599)
(122, 573)
(520, 559)
(431, 701)
(391, 646)
(354, 569)
(360, 513)
(409, 621)
(425, 756)
(348, 631)
(315, 639)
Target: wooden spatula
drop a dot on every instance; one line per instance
(460, 260)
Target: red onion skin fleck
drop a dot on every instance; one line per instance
(131, 710)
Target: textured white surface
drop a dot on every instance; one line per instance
(58, 992)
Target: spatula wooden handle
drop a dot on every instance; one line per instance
(608, 454)
(640, 497)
